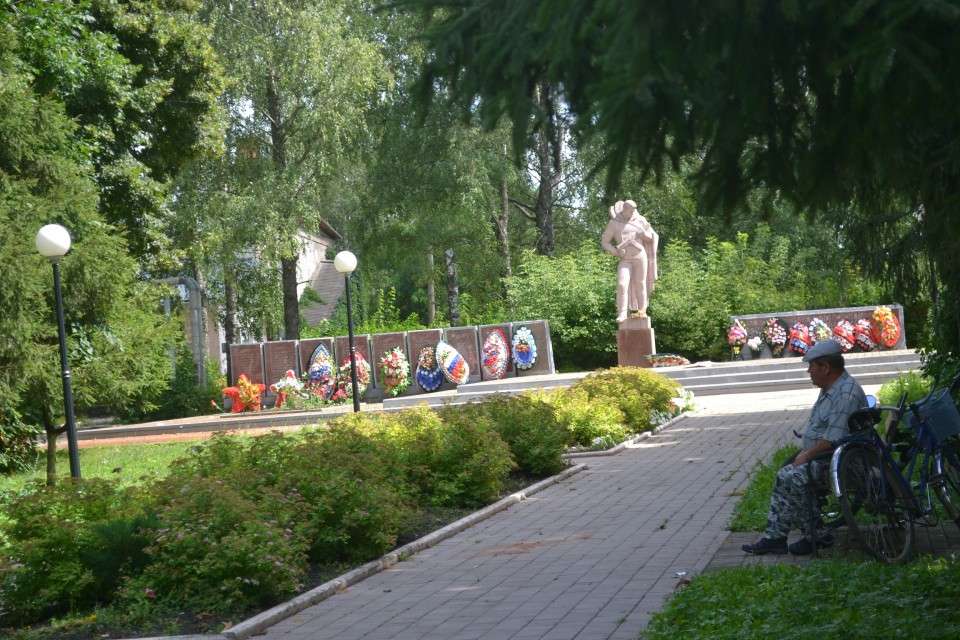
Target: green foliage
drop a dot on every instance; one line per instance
(587, 421)
(911, 600)
(451, 460)
(751, 511)
(216, 549)
(141, 82)
(914, 384)
(187, 396)
(526, 423)
(940, 367)
(385, 318)
(575, 294)
(69, 546)
(637, 392)
(758, 272)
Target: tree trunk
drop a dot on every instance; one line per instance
(288, 265)
(431, 292)
(291, 305)
(51, 457)
(501, 228)
(52, 432)
(548, 151)
(453, 288)
(229, 321)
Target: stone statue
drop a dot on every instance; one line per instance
(631, 238)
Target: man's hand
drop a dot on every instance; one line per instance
(820, 446)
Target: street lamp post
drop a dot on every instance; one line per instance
(345, 263)
(53, 242)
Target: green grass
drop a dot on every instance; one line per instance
(824, 599)
(127, 463)
(750, 513)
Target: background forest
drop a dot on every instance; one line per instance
(188, 137)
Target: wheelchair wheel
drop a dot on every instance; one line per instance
(947, 482)
(875, 512)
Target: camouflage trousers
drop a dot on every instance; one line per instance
(791, 505)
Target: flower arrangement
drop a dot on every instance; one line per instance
(886, 329)
(819, 330)
(843, 333)
(524, 349)
(395, 371)
(496, 354)
(755, 343)
(667, 360)
(862, 332)
(428, 374)
(320, 381)
(285, 386)
(800, 339)
(344, 388)
(775, 335)
(452, 364)
(736, 337)
(245, 396)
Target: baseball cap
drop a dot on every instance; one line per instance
(821, 349)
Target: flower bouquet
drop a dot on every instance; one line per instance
(667, 360)
(862, 332)
(524, 349)
(843, 333)
(429, 376)
(886, 329)
(800, 339)
(775, 335)
(736, 337)
(285, 386)
(344, 388)
(819, 330)
(395, 371)
(755, 343)
(245, 396)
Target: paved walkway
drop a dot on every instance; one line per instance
(589, 558)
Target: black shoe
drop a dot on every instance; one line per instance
(766, 545)
(804, 547)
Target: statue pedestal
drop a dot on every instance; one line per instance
(634, 342)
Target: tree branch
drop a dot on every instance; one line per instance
(524, 209)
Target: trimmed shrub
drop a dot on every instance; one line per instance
(587, 421)
(636, 391)
(217, 550)
(356, 491)
(526, 423)
(451, 462)
(69, 546)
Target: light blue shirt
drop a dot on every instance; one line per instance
(828, 420)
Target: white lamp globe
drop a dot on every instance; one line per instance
(53, 241)
(345, 262)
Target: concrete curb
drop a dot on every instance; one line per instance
(612, 451)
(260, 622)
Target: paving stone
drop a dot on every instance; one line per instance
(590, 557)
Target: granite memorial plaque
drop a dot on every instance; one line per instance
(381, 343)
(246, 359)
(464, 340)
(278, 357)
(485, 331)
(541, 335)
(308, 346)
